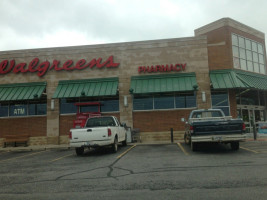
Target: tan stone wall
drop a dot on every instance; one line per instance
(37, 141)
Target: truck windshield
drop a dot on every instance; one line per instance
(100, 121)
(205, 114)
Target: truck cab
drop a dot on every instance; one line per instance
(83, 113)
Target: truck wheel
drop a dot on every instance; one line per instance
(193, 146)
(235, 146)
(115, 146)
(186, 139)
(124, 143)
(79, 151)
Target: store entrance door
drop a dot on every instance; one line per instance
(251, 115)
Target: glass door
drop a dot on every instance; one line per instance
(251, 116)
(246, 116)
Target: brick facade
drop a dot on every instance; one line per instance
(33, 126)
(160, 121)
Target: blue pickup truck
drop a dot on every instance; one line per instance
(211, 125)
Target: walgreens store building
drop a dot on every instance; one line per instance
(149, 85)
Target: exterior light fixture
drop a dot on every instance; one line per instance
(52, 104)
(125, 101)
(203, 95)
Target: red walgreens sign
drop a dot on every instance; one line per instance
(42, 68)
(162, 68)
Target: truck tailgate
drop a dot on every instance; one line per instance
(218, 127)
(89, 134)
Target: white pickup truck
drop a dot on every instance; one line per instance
(98, 132)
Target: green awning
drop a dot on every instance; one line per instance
(87, 88)
(163, 83)
(232, 78)
(21, 91)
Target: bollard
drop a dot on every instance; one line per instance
(254, 132)
(172, 135)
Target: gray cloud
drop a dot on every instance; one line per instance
(44, 23)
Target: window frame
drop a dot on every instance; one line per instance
(254, 52)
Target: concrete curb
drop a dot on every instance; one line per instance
(34, 148)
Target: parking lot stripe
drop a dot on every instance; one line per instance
(249, 150)
(182, 148)
(22, 156)
(61, 157)
(126, 151)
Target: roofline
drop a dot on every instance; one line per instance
(228, 22)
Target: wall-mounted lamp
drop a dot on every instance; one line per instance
(203, 95)
(125, 101)
(52, 104)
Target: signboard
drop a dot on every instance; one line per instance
(262, 128)
(41, 69)
(162, 68)
(18, 110)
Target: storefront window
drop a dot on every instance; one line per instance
(248, 54)
(143, 103)
(3, 110)
(250, 97)
(185, 100)
(164, 101)
(24, 108)
(110, 105)
(220, 100)
(37, 109)
(67, 106)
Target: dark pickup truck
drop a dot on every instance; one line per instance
(211, 125)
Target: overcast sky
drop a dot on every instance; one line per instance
(27, 24)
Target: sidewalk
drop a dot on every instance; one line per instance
(250, 137)
(260, 137)
(35, 148)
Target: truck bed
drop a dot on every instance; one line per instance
(217, 127)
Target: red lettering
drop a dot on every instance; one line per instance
(110, 62)
(165, 69)
(162, 68)
(91, 64)
(152, 69)
(20, 68)
(67, 64)
(183, 66)
(171, 68)
(80, 63)
(158, 68)
(4, 64)
(98, 63)
(141, 69)
(43, 68)
(33, 64)
(55, 65)
(177, 67)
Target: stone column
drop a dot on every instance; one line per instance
(126, 112)
(52, 116)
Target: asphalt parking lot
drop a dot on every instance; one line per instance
(163, 171)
